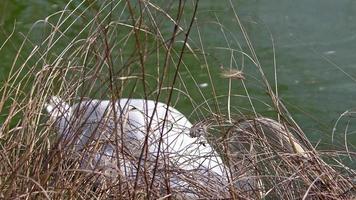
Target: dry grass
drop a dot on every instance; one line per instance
(274, 160)
(137, 49)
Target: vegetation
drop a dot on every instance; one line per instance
(149, 50)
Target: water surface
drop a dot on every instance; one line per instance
(314, 40)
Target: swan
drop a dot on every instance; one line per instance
(124, 126)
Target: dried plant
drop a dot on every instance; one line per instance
(138, 49)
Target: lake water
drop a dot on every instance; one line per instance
(314, 40)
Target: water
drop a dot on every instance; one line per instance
(315, 44)
(314, 40)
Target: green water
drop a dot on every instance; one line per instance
(314, 40)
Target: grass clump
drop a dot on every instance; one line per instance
(140, 49)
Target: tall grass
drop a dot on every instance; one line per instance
(151, 50)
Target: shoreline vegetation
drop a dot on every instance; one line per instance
(110, 50)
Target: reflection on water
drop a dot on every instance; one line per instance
(315, 45)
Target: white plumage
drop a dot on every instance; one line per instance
(122, 126)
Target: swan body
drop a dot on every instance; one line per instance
(130, 123)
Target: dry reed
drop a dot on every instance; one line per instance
(112, 57)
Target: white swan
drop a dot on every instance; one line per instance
(132, 120)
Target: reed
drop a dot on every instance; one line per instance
(150, 50)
